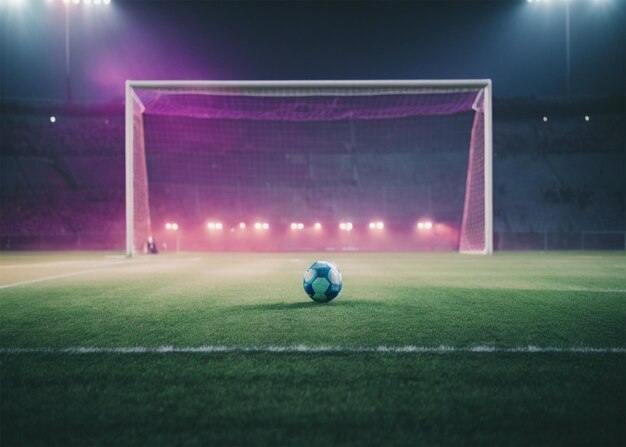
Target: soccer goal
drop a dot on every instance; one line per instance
(231, 156)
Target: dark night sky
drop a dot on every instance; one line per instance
(520, 45)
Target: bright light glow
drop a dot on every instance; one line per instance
(545, 119)
(171, 226)
(266, 226)
(67, 2)
(174, 226)
(76, 2)
(97, 2)
(317, 226)
(86, 2)
(16, 2)
(242, 225)
(168, 226)
(258, 225)
(345, 226)
(297, 226)
(53, 119)
(380, 225)
(372, 225)
(106, 2)
(587, 118)
(214, 225)
(425, 225)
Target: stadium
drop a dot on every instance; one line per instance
(171, 171)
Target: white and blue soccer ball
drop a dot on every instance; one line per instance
(322, 281)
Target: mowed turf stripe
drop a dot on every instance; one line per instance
(304, 349)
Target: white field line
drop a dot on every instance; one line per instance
(304, 349)
(46, 278)
(54, 264)
(585, 290)
(64, 275)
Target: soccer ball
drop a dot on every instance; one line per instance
(322, 281)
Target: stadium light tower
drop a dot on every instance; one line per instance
(567, 42)
(72, 4)
(173, 226)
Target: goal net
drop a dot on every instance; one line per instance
(309, 165)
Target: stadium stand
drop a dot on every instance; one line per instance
(557, 184)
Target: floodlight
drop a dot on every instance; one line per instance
(211, 226)
(345, 226)
(587, 118)
(266, 226)
(219, 226)
(242, 225)
(168, 226)
(545, 119)
(317, 226)
(425, 225)
(372, 225)
(53, 119)
(174, 226)
(297, 226)
(380, 225)
(258, 225)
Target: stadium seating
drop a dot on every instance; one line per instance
(63, 184)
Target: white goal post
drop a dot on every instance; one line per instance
(476, 235)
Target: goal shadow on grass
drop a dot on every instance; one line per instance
(303, 305)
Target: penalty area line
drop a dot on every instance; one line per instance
(304, 349)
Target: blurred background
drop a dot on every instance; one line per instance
(558, 70)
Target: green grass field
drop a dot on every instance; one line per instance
(434, 349)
